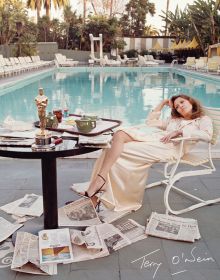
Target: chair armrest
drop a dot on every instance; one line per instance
(187, 139)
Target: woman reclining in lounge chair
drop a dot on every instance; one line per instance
(120, 173)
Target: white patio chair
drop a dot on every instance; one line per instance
(200, 165)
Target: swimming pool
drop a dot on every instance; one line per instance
(127, 94)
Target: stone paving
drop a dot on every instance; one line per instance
(152, 258)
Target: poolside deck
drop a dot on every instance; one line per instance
(174, 260)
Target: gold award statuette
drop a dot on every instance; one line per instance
(43, 137)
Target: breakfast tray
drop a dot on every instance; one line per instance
(102, 126)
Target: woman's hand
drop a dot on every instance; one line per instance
(166, 139)
(165, 102)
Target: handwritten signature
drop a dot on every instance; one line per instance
(147, 263)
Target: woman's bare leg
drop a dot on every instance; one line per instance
(118, 141)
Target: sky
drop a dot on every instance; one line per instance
(160, 5)
(155, 21)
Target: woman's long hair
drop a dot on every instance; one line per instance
(197, 109)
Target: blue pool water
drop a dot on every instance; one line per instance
(112, 93)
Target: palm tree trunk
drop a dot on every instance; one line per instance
(167, 9)
(84, 11)
(47, 7)
(38, 9)
(198, 36)
(111, 7)
(94, 9)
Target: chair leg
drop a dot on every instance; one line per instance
(171, 186)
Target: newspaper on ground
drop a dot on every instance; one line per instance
(7, 229)
(26, 256)
(55, 246)
(83, 253)
(112, 237)
(21, 220)
(89, 237)
(108, 216)
(172, 227)
(30, 204)
(131, 229)
(80, 212)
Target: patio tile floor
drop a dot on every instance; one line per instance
(171, 260)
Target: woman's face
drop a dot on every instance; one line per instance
(183, 107)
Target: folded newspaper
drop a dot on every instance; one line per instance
(78, 213)
(172, 227)
(30, 204)
(26, 256)
(55, 246)
(102, 140)
(7, 229)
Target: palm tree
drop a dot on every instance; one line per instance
(35, 5)
(56, 3)
(205, 20)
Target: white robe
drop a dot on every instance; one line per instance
(127, 178)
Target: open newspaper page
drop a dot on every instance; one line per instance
(78, 213)
(82, 253)
(26, 256)
(7, 229)
(55, 246)
(9, 207)
(131, 229)
(109, 216)
(170, 227)
(87, 245)
(112, 237)
(30, 204)
(89, 237)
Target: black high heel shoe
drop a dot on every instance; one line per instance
(86, 195)
(98, 191)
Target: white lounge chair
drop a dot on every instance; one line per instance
(143, 62)
(64, 62)
(109, 62)
(199, 165)
(150, 57)
(190, 61)
(123, 61)
(212, 65)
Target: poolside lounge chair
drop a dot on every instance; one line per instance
(123, 61)
(109, 62)
(143, 62)
(150, 57)
(189, 62)
(199, 165)
(212, 65)
(64, 62)
(199, 65)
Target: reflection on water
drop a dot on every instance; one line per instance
(124, 95)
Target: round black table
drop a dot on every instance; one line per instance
(49, 173)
